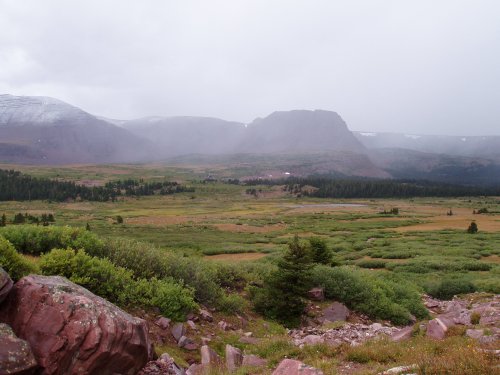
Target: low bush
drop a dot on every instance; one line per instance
(371, 263)
(377, 297)
(13, 262)
(117, 284)
(36, 240)
(448, 288)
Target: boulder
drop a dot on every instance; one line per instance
(196, 369)
(209, 357)
(474, 333)
(253, 361)
(403, 334)
(178, 330)
(316, 294)
(187, 343)
(223, 325)
(16, 357)
(191, 325)
(5, 284)
(436, 329)
(163, 323)
(335, 312)
(293, 367)
(234, 358)
(72, 331)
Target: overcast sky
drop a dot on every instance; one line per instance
(419, 66)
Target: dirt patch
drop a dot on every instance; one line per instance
(236, 257)
(460, 222)
(249, 228)
(77, 206)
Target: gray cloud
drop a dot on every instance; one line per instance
(410, 66)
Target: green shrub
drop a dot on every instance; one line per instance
(366, 293)
(13, 262)
(448, 288)
(371, 263)
(36, 240)
(117, 284)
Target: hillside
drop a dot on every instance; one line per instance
(49, 131)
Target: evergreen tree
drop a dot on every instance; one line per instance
(87, 227)
(3, 221)
(283, 296)
(320, 252)
(472, 228)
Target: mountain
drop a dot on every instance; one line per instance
(300, 131)
(411, 164)
(476, 146)
(185, 135)
(49, 131)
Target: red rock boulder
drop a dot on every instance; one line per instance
(16, 357)
(72, 331)
(293, 367)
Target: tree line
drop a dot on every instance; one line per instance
(21, 187)
(324, 187)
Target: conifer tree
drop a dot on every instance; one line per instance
(320, 252)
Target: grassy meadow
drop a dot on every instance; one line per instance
(221, 224)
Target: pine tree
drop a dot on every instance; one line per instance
(3, 221)
(283, 297)
(87, 227)
(319, 251)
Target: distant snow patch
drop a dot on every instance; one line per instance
(464, 139)
(368, 134)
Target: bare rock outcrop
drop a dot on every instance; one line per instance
(72, 331)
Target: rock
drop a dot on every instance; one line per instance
(436, 329)
(234, 358)
(293, 367)
(225, 326)
(205, 315)
(253, 361)
(16, 356)
(5, 284)
(164, 365)
(196, 369)
(376, 327)
(400, 369)
(209, 357)
(205, 340)
(313, 340)
(403, 334)
(335, 312)
(163, 322)
(249, 340)
(474, 333)
(192, 317)
(186, 343)
(316, 294)
(191, 325)
(72, 331)
(248, 334)
(178, 330)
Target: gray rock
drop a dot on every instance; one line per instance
(209, 357)
(293, 367)
(253, 361)
(178, 330)
(335, 312)
(234, 358)
(205, 315)
(163, 323)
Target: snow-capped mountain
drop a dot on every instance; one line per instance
(45, 130)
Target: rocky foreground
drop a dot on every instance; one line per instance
(49, 325)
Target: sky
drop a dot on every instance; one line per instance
(418, 67)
